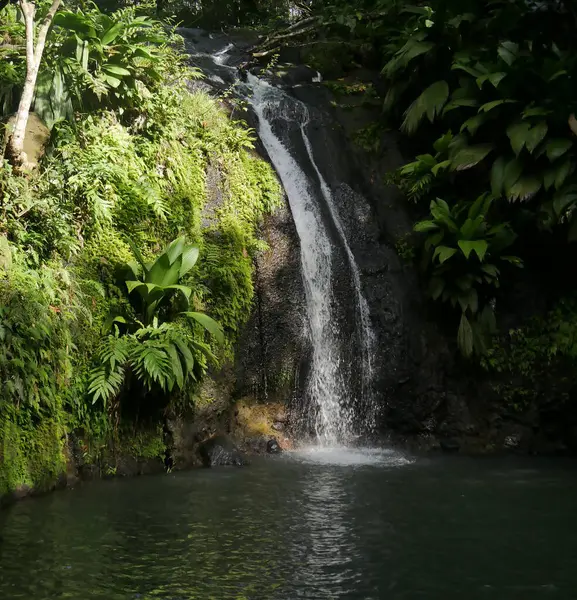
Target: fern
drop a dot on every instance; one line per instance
(105, 381)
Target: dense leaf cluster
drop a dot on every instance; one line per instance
(88, 344)
(485, 92)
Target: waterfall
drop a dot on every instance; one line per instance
(326, 388)
(335, 408)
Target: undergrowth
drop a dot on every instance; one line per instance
(111, 178)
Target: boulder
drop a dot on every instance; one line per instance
(219, 450)
(273, 447)
(36, 138)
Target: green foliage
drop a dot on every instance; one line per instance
(528, 357)
(217, 14)
(160, 356)
(156, 282)
(464, 255)
(96, 59)
(12, 63)
(157, 354)
(405, 248)
(485, 92)
(146, 167)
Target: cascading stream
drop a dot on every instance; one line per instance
(331, 398)
(326, 388)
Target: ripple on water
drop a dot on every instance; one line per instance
(341, 456)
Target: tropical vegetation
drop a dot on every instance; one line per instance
(121, 281)
(482, 93)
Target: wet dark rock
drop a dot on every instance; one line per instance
(450, 445)
(296, 75)
(273, 447)
(220, 451)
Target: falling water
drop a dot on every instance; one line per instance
(332, 396)
(326, 387)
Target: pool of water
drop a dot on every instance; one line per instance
(314, 524)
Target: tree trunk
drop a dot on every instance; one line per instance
(15, 146)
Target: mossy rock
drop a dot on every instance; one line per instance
(35, 141)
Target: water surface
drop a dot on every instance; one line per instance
(352, 525)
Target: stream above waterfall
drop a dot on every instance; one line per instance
(312, 525)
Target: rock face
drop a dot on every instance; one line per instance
(428, 399)
(35, 139)
(272, 352)
(220, 451)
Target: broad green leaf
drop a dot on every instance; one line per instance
(496, 78)
(444, 206)
(133, 285)
(189, 258)
(562, 200)
(444, 253)
(110, 35)
(464, 283)
(410, 50)
(513, 170)
(469, 300)
(470, 156)
(442, 165)
(423, 226)
(183, 289)
(536, 135)
(162, 272)
(186, 354)
(74, 22)
(514, 260)
(562, 173)
(487, 319)
(442, 144)
(473, 123)
(429, 103)
(209, 324)
(480, 207)
(480, 247)
(116, 70)
(460, 102)
(518, 134)
(535, 112)
(471, 227)
(491, 105)
(465, 336)
(498, 176)
(491, 270)
(508, 51)
(475, 72)
(112, 81)
(427, 159)
(174, 249)
(143, 52)
(557, 147)
(549, 177)
(525, 188)
(433, 240)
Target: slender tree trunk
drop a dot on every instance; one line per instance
(15, 147)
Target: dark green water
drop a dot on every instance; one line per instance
(288, 528)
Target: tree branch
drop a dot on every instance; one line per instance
(43, 31)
